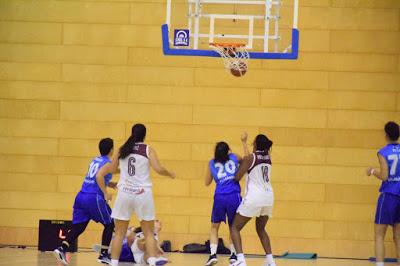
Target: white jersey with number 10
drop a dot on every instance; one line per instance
(259, 190)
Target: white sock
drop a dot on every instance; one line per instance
(269, 258)
(240, 256)
(114, 262)
(213, 249)
(151, 261)
(232, 248)
(380, 264)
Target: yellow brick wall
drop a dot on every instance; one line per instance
(63, 63)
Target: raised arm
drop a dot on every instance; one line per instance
(156, 165)
(381, 173)
(244, 167)
(243, 138)
(208, 177)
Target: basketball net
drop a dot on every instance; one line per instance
(235, 55)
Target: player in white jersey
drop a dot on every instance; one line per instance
(135, 193)
(258, 199)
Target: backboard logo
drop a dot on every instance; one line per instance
(181, 37)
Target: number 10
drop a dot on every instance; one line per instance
(264, 172)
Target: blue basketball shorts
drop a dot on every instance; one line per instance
(388, 209)
(225, 205)
(90, 206)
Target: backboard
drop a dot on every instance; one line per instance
(268, 28)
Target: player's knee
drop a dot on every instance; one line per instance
(237, 227)
(214, 226)
(379, 235)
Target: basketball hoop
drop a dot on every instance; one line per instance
(235, 57)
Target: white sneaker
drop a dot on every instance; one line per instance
(60, 255)
(161, 261)
(212, 260)
(239, 263)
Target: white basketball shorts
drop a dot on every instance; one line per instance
(253, 208)
(139, 202)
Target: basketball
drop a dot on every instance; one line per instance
(240, 70)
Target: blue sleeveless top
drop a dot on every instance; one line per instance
(90, 184)
(391, 153)
(224, 175)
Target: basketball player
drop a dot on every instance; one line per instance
(135, 193)
(91, 203)
(227, 193)
(258, 199)
(134, 247)
(388, 207)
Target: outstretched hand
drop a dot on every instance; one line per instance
(369, 171)
(243, 137)
(172, 175)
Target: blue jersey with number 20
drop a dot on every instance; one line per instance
(391, 153)
(224, 175)
(90, 184)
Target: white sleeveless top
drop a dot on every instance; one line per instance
(258, 184)
(135, 169)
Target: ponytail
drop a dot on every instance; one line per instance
(127, 148)
(221, 154)
(138, 134)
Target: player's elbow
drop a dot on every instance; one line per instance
(238, 177)
(160, 170)
(383, 175)
(99, 175)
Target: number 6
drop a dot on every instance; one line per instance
(131, 166)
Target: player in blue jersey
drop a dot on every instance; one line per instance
(91, 203)
(388, 207)
(222, 170)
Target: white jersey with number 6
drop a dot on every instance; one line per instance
(134, 187)
(135, 169)
(259, 191)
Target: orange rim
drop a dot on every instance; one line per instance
(227, 45)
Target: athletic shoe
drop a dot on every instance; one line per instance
(104, 258)
(238, 263)
(59, 253)
(161, 261)
(212, 260)
(232, 258)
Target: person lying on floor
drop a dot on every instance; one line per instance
(134, 246)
